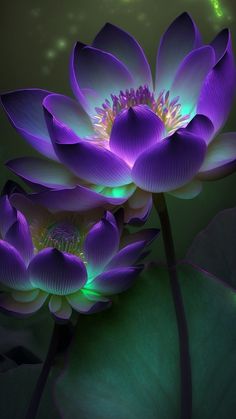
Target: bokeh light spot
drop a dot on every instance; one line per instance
(61, 43)
(36, 12)
(50, 54)
(45, 70)
(73, 29)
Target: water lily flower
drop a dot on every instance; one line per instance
(61, 261)
(126, 137)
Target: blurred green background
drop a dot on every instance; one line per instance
(36, 40)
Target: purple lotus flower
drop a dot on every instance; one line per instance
(125, 137)
(64, 261)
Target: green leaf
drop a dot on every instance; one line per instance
(16, 388)
(214, 249)
(124, 363)
(211, 313)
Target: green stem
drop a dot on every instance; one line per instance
(185, 361)
(40, 385)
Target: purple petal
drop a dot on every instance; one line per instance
(82, 304)
(70, 114)
(84, 96)
(42, 172)
(25, 296)
(138, 207)
(87, 160)
(59, 132)
(12, 268)
(8, 215)
(220, 159)
(110, 218)
(94, 164)
(190, 77)
(127, 256)
(139, 199)
(55, 303)
(138, 217)
(18, 235)
(220, 43)
(80, 198)
(133, 131)
(201, 126)
(10, 305)
(115, 280)
(101, 74)
(101, 243)
(124, 47)
(60, 308)
(189, 191)
(25, 112)
(171, 163)
(58, 273)
(74, 73)
(180, 38)
(218, 90)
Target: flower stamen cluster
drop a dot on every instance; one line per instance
(169, 110)
(64, 235)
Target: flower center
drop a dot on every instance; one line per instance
(63, 235)
(168, 110)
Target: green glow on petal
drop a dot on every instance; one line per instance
(90, 294)
(93, 295)
(97, 188)
(124, 191)
(120, 191)
(187, 108)
(92, 273)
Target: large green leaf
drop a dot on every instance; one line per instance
(16, 387)
(214, 249)
(124, 363)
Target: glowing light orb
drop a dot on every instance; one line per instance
(61, 43)
(217, 8)
(36, 12)
(50, 54)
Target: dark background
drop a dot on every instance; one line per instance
(36, 40)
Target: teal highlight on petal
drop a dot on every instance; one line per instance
(119, 192)
(25, 296)
(93, 295)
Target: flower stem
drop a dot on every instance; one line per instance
(185, 361)
(40, 385)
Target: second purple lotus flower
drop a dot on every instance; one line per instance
(64, 260)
